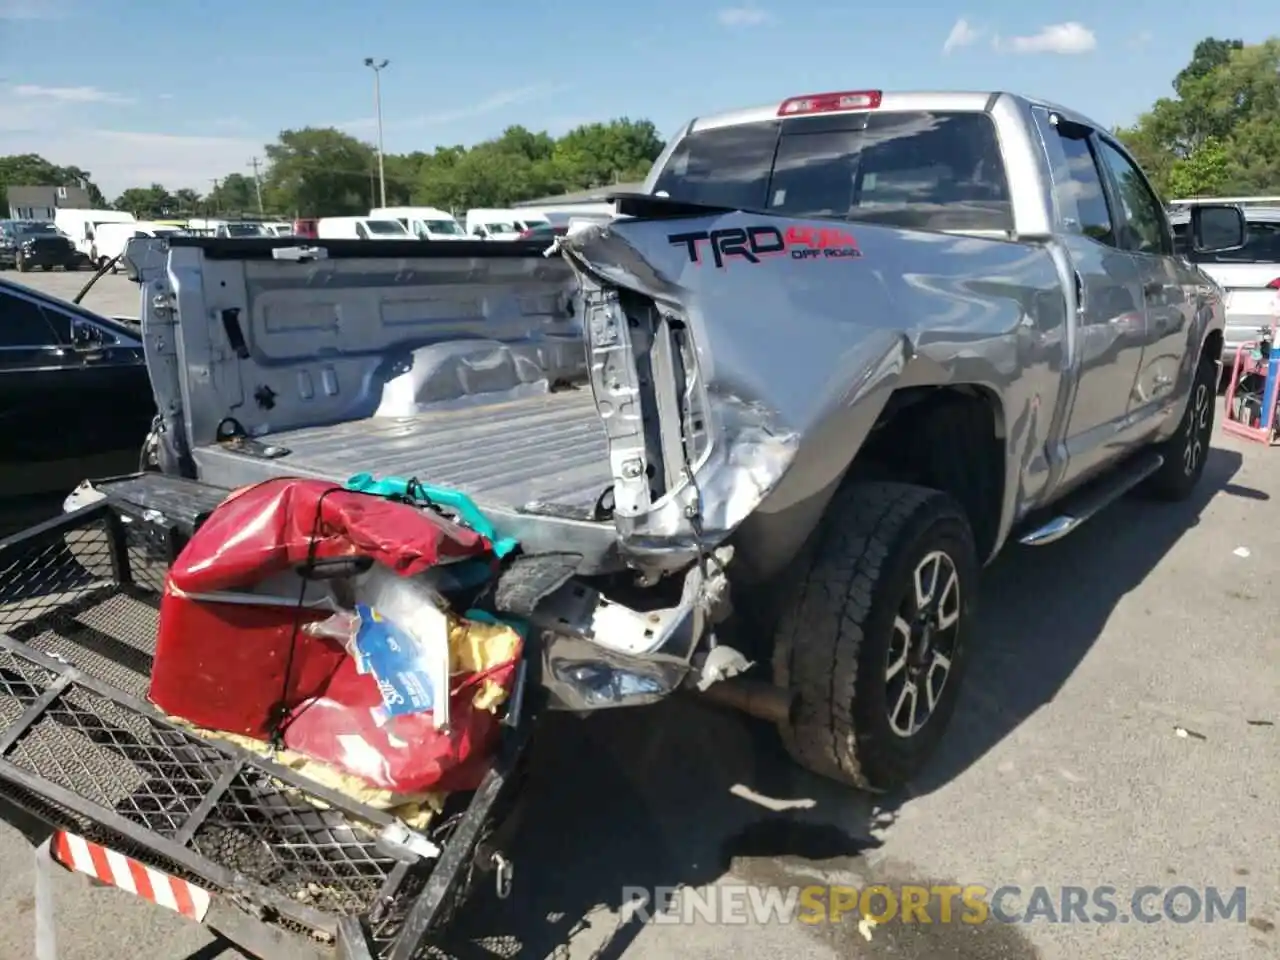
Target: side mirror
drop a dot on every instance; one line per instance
(83, 335)
(1217, 228)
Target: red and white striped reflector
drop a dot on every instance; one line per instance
(115, 869)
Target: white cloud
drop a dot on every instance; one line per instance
(33, 91)
(60, 131)
(1064, 38)
(962, 34)
(1142, 40)
(746, 16)
(490, 104)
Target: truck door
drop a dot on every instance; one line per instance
(1169, 309)
(1106, 289)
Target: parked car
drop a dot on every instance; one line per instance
(74, 394)
(8, 243)
(81, 227)
(111, 238)
(840, 351)
(425, 223)
(485, 224)
(1249, 276)
(41, 246)
(361, 228)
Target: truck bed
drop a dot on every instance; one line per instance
(538, 454)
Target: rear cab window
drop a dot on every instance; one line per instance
(917, 169)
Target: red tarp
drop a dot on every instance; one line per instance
(222, 665)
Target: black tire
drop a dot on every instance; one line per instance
(838, 633)
(1187, 450)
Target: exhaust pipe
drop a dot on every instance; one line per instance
(756, 698)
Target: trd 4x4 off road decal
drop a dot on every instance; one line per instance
(754, 244)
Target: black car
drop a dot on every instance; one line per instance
(75, 401)
(37, 245)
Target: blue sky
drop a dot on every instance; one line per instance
(183, 91)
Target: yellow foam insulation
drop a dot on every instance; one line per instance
(478, 648)
(473, 648)
(416, 810)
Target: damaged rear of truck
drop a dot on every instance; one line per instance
(779, 414)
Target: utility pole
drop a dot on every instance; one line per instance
(257, 183)
(376, 66)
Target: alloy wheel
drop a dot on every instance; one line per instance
(924, 643)
(1197, 429)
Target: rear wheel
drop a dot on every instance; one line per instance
(874, 640)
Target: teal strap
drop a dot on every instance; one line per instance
(515, 623)
(455, 500)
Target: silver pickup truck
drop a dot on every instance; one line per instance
(780, 412)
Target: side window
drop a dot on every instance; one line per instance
(60, 322)
(23, 324)
(1083, 190)
(1146, 230)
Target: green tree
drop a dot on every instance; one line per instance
(187, 200)
(600, 154)
(147, 203)
(1219, 134)
(235, 193)
(319, 171)
(1209, 54)
(1204, 173)
(33, 170)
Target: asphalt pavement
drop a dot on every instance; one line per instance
(1120, 727)
(113, 294)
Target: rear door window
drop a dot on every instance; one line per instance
(1146, 229)
(1081, 197)
(934, 171)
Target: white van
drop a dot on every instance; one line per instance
(425, 223)
(111, 238)
(81, 226)
(278, 228)
(361, 228)
(501, 224)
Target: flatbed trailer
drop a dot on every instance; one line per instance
(274, 862)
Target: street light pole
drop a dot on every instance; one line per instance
(376, 66)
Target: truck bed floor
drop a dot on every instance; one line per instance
(545, 454)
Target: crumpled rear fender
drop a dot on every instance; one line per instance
(789, 377)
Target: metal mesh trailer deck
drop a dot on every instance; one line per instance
(82, 751)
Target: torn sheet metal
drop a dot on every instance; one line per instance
(747, 405)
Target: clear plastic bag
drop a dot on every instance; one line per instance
(399, 633)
